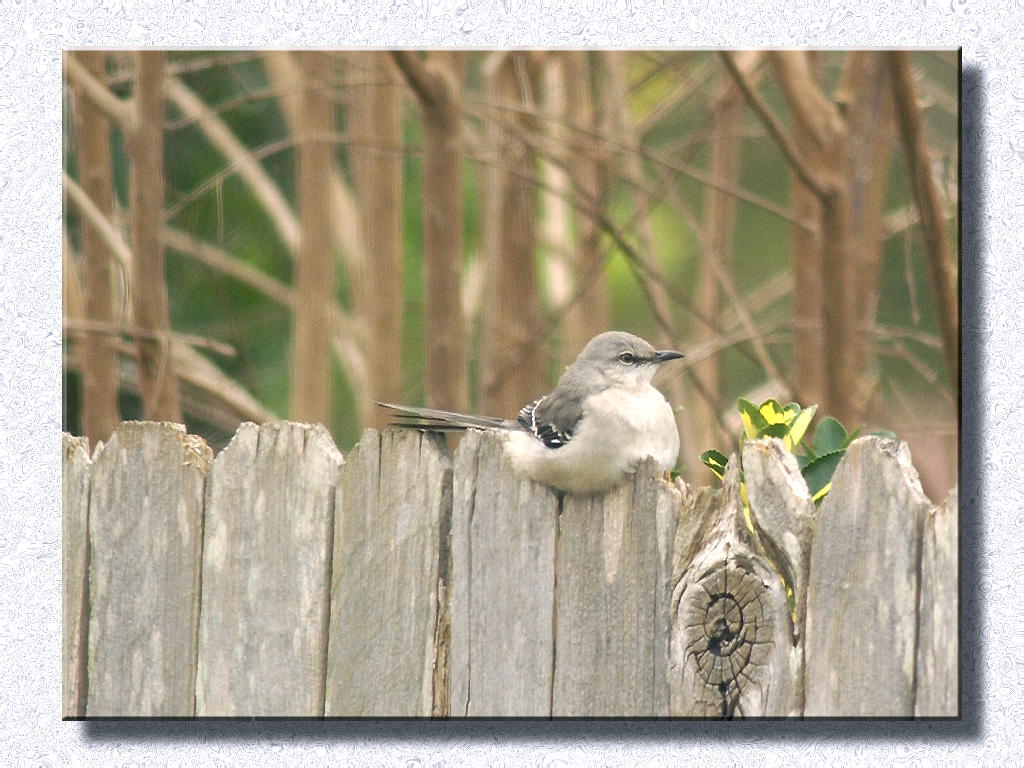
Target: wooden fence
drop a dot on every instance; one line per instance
(280, 579)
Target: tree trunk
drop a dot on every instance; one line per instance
(99, 359)
(437, 85)
(160, 401)
(707, 400)
(808, 344)
(829, 164)
(940, 261)
(588, 316)
(314, 283)
(375, 137)
(511, 365)
(865, 91)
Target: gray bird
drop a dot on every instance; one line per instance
(600, 420)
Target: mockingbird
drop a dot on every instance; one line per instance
(600, 420)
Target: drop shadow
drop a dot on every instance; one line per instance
(489, 733)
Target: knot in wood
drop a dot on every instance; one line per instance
(729, 620)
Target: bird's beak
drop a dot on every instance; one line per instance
(666, 354)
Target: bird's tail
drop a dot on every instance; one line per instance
(432, 419)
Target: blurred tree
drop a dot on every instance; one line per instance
(437, 84)
(375, 159)
(99, 375)
(511, 370)
(530, 201)
(314, 278)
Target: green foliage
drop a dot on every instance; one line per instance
(789, 424)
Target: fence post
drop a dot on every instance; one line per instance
(74, 571)
(938, 647)
(145, 525)
(862, 617)
(503, 581)
(732, 635)
(388, 635)
(267, 573)
(612, 591)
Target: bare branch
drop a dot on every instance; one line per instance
(118, 329)
(228, 265)
(248, 166)
(773, 125)
(119, 112)
(940, 259)
(816, 114)
(419, 77)
(600, 142)
(92, 215)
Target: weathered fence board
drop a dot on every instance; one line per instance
(74, 571)
(732, 638)
(391, 520)
(403, 582)
(783, 514)
(938, 648)
(863, 589)
(612, 591)
(503, 585)
(145, 524)
(266, 573)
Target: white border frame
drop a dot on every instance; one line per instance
(33, 36)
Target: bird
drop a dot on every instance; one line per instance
(590, 432)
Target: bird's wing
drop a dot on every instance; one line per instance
(551, 420)
(434, 419)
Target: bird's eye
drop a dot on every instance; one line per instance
(627, 358)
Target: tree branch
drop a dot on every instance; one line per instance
(816, 114)
(91, 213)
(118, 111)
(117, 329)
(217, 259)
(939, 258)
(235, 152)
(789, 149)
(418, 75)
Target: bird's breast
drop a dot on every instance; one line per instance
(639, 423)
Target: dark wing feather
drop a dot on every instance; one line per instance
(416, 417)
(551, 425)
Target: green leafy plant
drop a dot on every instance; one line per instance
(789, 423)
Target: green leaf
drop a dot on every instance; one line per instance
(818, 473)
(829, 436)
(811, 455)
(715, 461)
(773, 412)
(851, 437)
(792, 409)
(798, 425)
(884, 433)
(780, 431)
(753, 421)
(816, 498)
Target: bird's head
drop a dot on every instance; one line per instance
(622, 359)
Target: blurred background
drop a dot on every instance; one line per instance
(260, 235)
